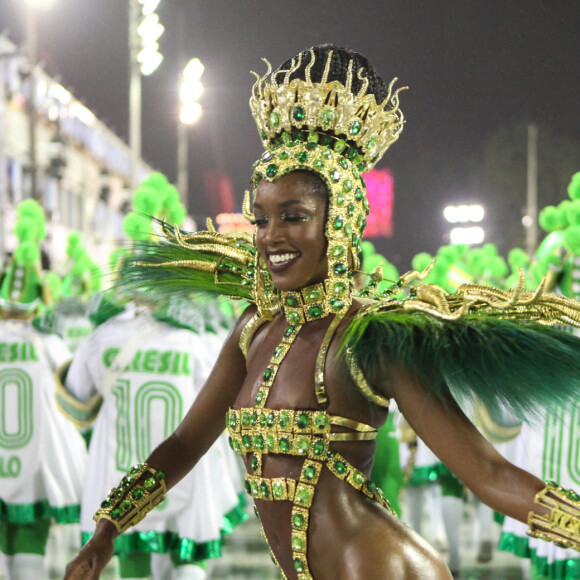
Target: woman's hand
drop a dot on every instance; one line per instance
(94, 556)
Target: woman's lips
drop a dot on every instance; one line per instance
(281, 261)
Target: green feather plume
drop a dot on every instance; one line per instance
(181, 264)
(507, 364)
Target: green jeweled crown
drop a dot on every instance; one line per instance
(356, 124)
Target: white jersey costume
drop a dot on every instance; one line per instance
(42, 455)
(149, 373)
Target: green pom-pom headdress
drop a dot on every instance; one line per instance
(22, 288)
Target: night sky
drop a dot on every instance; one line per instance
(477, 71)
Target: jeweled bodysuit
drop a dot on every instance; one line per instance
(258, 430)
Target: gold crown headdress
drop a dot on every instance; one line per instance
(326, 128)
(354, 124)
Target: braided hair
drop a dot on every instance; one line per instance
(341, 58)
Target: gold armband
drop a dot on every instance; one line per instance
(562, 524)
(138, 493)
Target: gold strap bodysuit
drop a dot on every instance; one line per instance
(304, 433)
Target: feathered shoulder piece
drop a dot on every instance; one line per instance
(180, 263)
(502, 346)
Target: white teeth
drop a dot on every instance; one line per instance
(280, 258)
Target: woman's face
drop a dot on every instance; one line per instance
(290, 237)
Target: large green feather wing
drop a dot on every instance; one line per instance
(502, 347)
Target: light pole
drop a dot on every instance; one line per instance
(144, 58)
(31, 7)
(189, 92)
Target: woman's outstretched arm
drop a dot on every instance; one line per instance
(453, 438)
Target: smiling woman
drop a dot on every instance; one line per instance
(306, 376)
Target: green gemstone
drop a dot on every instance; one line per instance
(135, 470)
(284, 444)
(270, 442)
(297, 520)
(337, 251)
(348, 229)
(302, 420)
(246, 441)
(298, 113)
(119, 492)
(299, 135)
(326, 154)
(366, 205)
(343, 163)
(326, 141)
(302, 156)
(347, 185)
(358, 193)
(297, 544)
(318, 164)
(125, 505)
(262, 420)
(267, 375)
(359, 161)
(315, 311)
(254, 418)
(271, 170)
(278, 351)
(318, 447)
(303, 496)
(340, 146)
(327, 116)
(340, 199)
(352, 153)
(284, 419)
(289, 331)
(335, 175)
(247, 486)
(355, 240)
(254, 488)
(292, 301)
(340, 466)
(313, 138)
(263, 135)
(159, 475)
(355, 127)
(106, 503)
(298, 565)
(339, 287)
(264, 489)
(312, 294)
(233, 420)
(286, 138)
(573, 495)
(294, 316)
(303, 445)
(116, 513)
(254, 463)
(339, 269)
(277, 489)
(283, 155)
(259, 441)
(259, 397)
(351, 209)
(358, 477)
(320, 420)
(270, 420)
(274, 119)
(337, 303)
(338, 222)
(310, 472)
(372, 142)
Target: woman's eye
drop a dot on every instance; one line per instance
(260, 221)
(294, 218)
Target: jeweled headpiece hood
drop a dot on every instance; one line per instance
(327, 111)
